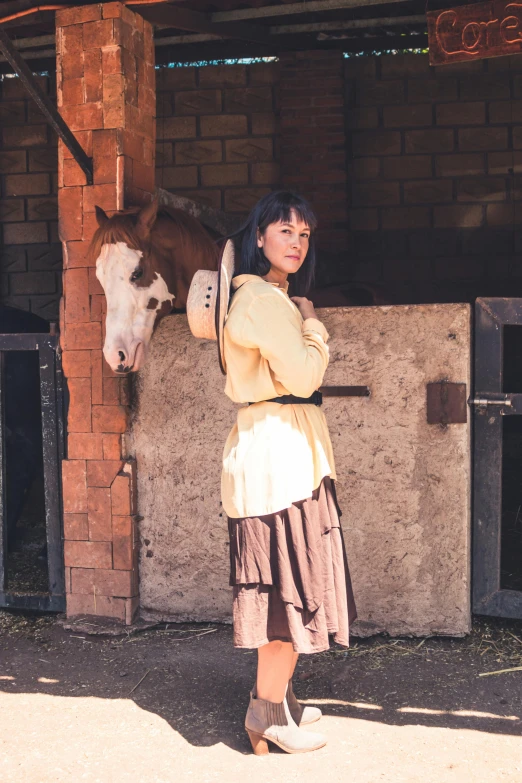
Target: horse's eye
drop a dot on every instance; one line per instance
(136, 274)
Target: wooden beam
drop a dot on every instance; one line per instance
(287, 9)
(45, 105)
(192, 21)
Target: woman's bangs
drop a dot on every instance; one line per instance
(281, 208)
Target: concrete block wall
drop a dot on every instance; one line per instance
(30, 251)
(217, 135)
(435, 156)
(105, 67)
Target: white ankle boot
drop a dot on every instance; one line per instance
(268, 721)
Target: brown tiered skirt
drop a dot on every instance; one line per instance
(290, 575)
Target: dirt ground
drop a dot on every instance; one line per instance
(167, 704)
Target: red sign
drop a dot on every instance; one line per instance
(472, 32)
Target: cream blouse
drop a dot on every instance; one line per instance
(275, 454)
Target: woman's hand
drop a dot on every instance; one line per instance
(305, 307)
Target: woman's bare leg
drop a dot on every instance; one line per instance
(275, 665)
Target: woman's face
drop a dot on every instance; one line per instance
(285, 245)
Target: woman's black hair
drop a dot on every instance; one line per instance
(272, 208)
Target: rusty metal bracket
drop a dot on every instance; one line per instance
(345, 391)
(45, 105)
(447, 403)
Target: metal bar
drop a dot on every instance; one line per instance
(296, 8)
(50, 111)
(185, 19)
(345, 391)
(3, 509)
(32, 603)
(51, 470)
(30, 341)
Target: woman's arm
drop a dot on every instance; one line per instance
(297, 354)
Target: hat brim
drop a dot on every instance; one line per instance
(225, 274)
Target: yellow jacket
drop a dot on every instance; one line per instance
(275, 454)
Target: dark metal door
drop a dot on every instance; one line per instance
(497, 404)
(51, 396)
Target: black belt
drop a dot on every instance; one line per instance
(288, 399)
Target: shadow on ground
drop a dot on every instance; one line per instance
(191, 676)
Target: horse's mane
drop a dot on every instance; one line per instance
(121, 228)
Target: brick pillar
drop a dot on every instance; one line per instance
(106, 94)
(313, 139)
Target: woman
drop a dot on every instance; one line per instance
(288, 563)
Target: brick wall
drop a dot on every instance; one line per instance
(216, 134)
(435, 158)
(30, 252)
(105, 68)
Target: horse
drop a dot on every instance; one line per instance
(145, 261)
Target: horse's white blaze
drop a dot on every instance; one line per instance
(129, 323)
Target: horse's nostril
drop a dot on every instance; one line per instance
(121, 355)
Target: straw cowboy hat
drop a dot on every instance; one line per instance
(208, 298)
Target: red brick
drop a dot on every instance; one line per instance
(505, 112)
(98, 34)
(458, 216)
(12, 210)
(429, 141)
(123, 526)
(103, 196)
(458, 165)
(402, 65)
(428, 191)
(109, 418)
(76, 364)
(98, 606)
(375, 194)
(485, 138)
(89, 116)
(102, 582)
(76, 292)
(70, 206)
(26, 184)
(94, 284)
(376, 143)
(486, 87)
(99, 512)
(101, 473)
(504, 162)
(265, 173)
(86, 445)
(96, 377)
(364, 219)
(412, 115)
(124, 554)
(374, 93)
(78, 15)
(74, 483)
(92, 74)
(221, 125)
(472, 113)
(224, 174)
(481, 189)
(112, 60)
(406, 217)
(263, 123)
(121, 496)
(90, 226)
(111, 391)
(79, 413)
(249, 150)
(84, 139)
(105, 143)
(407, 167)
(72, 92)
(75, 527)
(183, 177)
(112, 446)
(25, 233)
(104, 170)
(76, 255)
(82, 336)
(503, 214)
(363, 118)
(369, 168)
(69, 66)
(72, 174)
(13, 161)
(179, 128)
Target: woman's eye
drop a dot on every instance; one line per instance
(136, 275)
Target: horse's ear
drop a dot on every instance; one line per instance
(101, 216)
(147, 217)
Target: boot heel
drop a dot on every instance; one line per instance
(259, 744)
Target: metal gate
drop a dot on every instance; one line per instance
(497, 404)
(51, 401)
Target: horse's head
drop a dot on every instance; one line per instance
(137, 293)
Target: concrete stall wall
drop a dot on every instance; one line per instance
(30, 251)
(403, 485)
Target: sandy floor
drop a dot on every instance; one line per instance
(394, 710)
